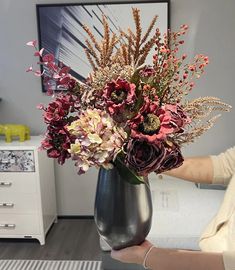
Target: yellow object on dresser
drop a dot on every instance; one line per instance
(12, 130)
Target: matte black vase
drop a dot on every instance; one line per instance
(123, 211)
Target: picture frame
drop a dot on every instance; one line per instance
(60, 29)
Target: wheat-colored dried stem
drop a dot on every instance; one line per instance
(136, 16)
(106, 34)
(92, 37)
(90, 60)
(123, 34)
(114, 41)
(92, 52)
(131, 34)
(117, 57)
(150, 28)
(124, 54)
(129, 50)
(102, 55)
(144, 52)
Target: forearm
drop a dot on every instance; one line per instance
(170, 259)
(196, 169)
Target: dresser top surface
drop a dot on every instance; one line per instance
(34, 142)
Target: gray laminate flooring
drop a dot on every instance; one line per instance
(69, 239)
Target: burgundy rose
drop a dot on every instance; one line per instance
(144, 157)
(173, 159)
(119, 95)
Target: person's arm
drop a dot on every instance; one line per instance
(194, 169)
(170, 259)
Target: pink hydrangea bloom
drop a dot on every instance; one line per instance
(98, 140)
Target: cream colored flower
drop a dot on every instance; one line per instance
(98, 140)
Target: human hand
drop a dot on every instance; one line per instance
(134, 254)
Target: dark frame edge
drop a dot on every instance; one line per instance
(93, 3)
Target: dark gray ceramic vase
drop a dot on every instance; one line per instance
(123, 211)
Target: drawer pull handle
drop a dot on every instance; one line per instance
(5, 184)
(6, 204)
(7, 226)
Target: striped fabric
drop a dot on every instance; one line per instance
(49, 265)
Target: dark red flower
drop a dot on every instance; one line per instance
(119, 95)
(144, 157)
(178, 117)
(147, 71)
(173, 158)
(154, 123)
(57, 142)
(57, 111)
(151, 123)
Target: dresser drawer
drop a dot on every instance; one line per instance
(17, 161)
(14, 203)
(18, 224)
(18, 182)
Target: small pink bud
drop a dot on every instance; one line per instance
(32, 43)
(184, 27)
(29, 69)
(40, 106)
(192, 84)
(49, 92)
(38, 73)
(39, 53)
(48, 58)
(191, 67)
(184, 56)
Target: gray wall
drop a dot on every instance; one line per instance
(211, 32)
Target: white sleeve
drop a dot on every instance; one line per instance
(229, 260)
(224, 166)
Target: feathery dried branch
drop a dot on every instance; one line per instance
(92, 37)
(88, 55)
(150, 28)
(92, 52)
(202, 107)
(106, 34)
(197, 131)
(138, 48)
(145, 50)
(138, 29)
(105, 48)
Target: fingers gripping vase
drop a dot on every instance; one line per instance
(123, 211)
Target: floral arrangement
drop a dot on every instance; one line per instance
(127, 113)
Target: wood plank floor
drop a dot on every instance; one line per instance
(69, 239)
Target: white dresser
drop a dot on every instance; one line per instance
(27, 190)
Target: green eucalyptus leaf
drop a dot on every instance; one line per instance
(135, 77)
(127, 174)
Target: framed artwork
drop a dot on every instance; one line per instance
(60, 30)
